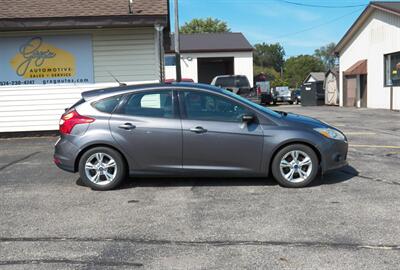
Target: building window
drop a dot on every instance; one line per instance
(392, 69)
(170, 60)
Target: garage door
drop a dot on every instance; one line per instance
(209, 68)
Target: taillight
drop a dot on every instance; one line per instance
(72, 118)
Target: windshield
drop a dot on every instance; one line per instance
(252, 104)
(237, 81)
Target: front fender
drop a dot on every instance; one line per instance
(275, 138)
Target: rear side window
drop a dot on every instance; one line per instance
(107, 105)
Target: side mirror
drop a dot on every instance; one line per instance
(248, 118)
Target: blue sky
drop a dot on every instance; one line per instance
(274, 21)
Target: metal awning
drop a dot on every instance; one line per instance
(359, 68)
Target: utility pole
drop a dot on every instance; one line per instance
(177, 45)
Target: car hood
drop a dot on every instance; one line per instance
(301, 120)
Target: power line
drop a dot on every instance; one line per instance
(319, 25)
(321, 6)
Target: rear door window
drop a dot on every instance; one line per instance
(150, 104)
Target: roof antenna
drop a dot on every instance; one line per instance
(130, 3)
(120, 83)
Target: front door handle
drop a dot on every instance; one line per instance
(198, 130)
(127, 126)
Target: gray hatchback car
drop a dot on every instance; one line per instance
(187, 129)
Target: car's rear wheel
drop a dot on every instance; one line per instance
(295, 166)
(102, 168)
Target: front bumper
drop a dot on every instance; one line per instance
(334, 155)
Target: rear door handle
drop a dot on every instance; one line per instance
(127, 126)
(198, 130)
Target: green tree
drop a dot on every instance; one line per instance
(269, 55)
(326, 55)
(272, 75)
(298, 67)
(208, 25)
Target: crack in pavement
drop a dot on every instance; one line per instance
(18, 160)
(389, 182)
(205, 242)
(66, 261)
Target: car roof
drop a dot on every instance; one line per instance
(88, 95)
(227, 76)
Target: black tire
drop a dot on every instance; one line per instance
(276, 170)
(120, 167)
(290, 102)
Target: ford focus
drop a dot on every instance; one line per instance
(186, 129)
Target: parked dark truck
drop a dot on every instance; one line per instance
(238, 84)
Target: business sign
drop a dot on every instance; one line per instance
(46, 60)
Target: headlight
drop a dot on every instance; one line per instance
(331, 133)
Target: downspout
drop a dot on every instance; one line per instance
(160, 51)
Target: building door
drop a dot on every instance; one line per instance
(363, 91)
(209, 68)
(350, 91)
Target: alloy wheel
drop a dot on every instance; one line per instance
(296, 166)
(101, 168)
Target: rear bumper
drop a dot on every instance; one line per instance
(65, 155)
(265, 98)
(334, 156)
(283, 98)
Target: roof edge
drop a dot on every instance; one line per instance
(81, 22)
(355, 26)
(211, 50)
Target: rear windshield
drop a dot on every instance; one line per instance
(237, 81)
(107, 105)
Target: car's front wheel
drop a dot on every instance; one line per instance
(295, 166)
(102, 168)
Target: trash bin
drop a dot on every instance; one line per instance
(312, 94)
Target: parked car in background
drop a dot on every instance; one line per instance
(282, 94)
(194, 130)
(296, 96)
(238, 84)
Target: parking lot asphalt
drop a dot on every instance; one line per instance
(348, 219)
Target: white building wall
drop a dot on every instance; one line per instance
(129, 54)
(379, 35)
(243, 64)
